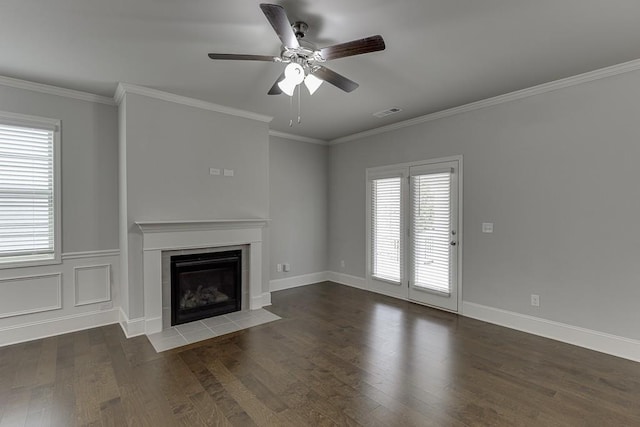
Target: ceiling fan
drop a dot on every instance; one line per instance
(304, 61)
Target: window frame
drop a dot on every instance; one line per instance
(22, 120)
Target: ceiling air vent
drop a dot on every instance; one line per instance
(387, 112)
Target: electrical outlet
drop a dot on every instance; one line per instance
(286, 267)
(214, 171)
(342, 263)
(535, 300)
(279, 268)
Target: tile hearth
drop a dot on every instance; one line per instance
(189, 333)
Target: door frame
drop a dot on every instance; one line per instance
(401, 290)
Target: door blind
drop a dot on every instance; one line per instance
(431, 225)
(385, 228)
(26, 192)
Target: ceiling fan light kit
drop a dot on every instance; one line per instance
(312, 83)
(304, 61)
(293, 76)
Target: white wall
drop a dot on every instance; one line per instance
(299, 207)
(81, 291)
(167, 149)
(558, 175)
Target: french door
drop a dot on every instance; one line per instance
(413, 231)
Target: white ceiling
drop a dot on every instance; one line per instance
(440, 53)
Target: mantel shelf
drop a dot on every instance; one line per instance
(194, 225)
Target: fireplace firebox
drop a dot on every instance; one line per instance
(205, 285)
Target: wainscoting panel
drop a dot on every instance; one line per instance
(40, 301)
(30, 294)
(92, 284)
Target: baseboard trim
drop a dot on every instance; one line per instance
(599, 341)
(152, 326)
(266, 299)
(353, 281)
(296, 281)
(347, 279)
(57, 326)
(256, 302)
(131, 328)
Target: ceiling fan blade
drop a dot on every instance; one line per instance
(355, 47)
(275, 89)
(237, 57)
(278, 19)
(338, 80)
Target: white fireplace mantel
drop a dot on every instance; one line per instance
(191, 225)
(159, 236)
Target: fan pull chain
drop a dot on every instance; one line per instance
(299, 115)
(297, 88)
(291, 111)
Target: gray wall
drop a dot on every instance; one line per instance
(89, 165)
(558, 175)
(299, 206)
(84, 288)
(169, 150)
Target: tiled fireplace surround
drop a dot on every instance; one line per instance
(159, 236)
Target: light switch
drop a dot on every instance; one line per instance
(214, 171)
(487, 227)
(228, 172)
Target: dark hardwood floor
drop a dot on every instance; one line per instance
(339, 356)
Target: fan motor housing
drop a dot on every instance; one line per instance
(299, 29)
(307, 52)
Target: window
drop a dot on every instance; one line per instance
(29, 211)
(385, 228)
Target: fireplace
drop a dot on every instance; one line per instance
(180, 237)
(205, 285)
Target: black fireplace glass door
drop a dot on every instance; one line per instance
(205, 285)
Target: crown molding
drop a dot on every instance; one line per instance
(299, 138)
(590, 76)
(124, 88)
(55, 90)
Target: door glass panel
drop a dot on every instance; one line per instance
(431, 226)
(385, 228)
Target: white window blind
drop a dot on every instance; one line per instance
(431, 195)
(385, 228)
(27, 224)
